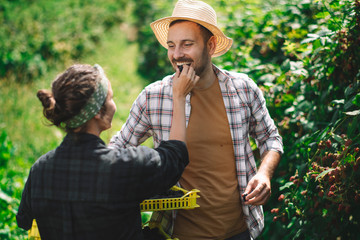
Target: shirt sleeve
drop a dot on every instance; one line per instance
(24, 216)
(161, 176)
(262, 126)
(144, 172)
(137, 127)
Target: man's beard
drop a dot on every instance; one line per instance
(198, 69)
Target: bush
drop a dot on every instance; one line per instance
(11, 184)
(320, 92)
(153, 61)
(37, 34)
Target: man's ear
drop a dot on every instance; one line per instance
(211, 44)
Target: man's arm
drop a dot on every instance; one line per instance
(264, 131)
(258, 190)
(136, 128)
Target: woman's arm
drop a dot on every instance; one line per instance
(183, 83)
(24, 216)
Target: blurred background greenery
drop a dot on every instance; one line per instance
(304, 54)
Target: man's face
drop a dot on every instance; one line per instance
(186, 46)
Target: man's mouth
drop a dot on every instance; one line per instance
(180, 65)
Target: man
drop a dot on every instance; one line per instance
(222, 111)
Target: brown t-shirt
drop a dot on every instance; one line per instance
(211, 170)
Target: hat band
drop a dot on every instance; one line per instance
(95, 102)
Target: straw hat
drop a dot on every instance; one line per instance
(195, 11)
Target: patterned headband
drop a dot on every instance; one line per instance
(95, 102)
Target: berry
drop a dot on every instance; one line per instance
(314, 175)
(275, 210)
(281, 197)
(328, 143)
(321, 145)
(331, 194)
(348, 142)
(357, 198)
(321, 193)
(341, 207)
(296, 182)
(334, 164)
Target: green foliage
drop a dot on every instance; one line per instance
(5, 150)
(153, 61)
(11, 184)
(34, 35)
(322, 74)
(323, 200)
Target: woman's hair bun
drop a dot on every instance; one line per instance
(47, 99)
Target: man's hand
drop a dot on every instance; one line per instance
(258, 190)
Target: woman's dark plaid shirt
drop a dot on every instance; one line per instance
(86, 190)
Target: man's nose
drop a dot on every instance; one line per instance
(178, 53)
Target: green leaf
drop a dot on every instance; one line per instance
(349, 90)
(338, 102)
(287, 185)
(349, 104)
(145, 217)
(288, 98)
(311, 38)
(353, 113)
(323, 173)
(5, 197)
(356, 101)
(338, 138)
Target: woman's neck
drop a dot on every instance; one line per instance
(92, 127)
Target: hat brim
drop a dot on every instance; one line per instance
(161, 28)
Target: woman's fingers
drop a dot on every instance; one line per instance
(184, 81)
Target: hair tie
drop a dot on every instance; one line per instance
(95, 102)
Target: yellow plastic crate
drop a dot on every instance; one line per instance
(34, 232)
(187, 201)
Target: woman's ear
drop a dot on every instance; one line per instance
(97, 116)
(211, 44)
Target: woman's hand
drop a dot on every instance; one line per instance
(184, 81)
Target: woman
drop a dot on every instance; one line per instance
(84, 189)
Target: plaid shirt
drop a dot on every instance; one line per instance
(151, 115)
(86, 190)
